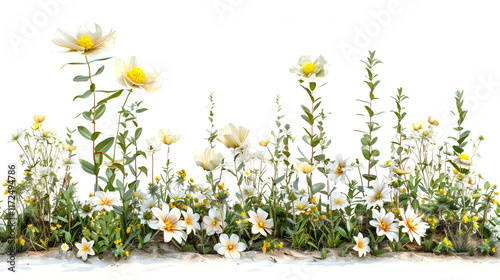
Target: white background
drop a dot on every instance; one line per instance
(242, 53)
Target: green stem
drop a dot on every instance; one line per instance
(118, 125)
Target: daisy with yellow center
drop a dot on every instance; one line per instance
(259, 222)
(64, 247)
(361, 245)
(129, 74)
(339, 201)
(85, 249)
(385, 225)
(230, 247)
(86, 41)
(378, 195)
(191, 220)
(105, 200)
(169, 222)
(212, 222)
(307, 69)
(339, 169)
(412, 224)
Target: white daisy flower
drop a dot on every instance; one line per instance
(229, 247)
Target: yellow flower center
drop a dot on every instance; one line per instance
(377, 195)
(86, 42)
(214, 223)
(339, 170)
(360, 244)
(383, 226)
(425, 133)
(168, 225)
(136, 75)
(261, 224)
(85, 247)
(337, 201)
(188, 221)
(105, 200)
(308, 68)
(463, 156)
(410, 225)
(301, 207)
(387, 162)
(230, 247)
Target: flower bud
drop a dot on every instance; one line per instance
(433, 121)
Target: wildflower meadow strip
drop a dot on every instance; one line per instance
(291, 191)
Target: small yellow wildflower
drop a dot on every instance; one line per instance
(126, 253)
(243, 214)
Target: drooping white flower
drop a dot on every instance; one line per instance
(106, 200)
(378, 195)
(152, 146)
(338, 169)
(169, 222)
(212, 222)
(259, 222)
(339, 201)
(167, 137)
(232, 136)
(384, 224)
(229, 247)
(208, 160)
(412, 224)
(361, 245)
(85, 249)
(191, 220)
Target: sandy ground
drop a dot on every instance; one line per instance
(161, 261)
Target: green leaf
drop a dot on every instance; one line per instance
(104, 145)
(277, 181)
(370, 112)
(84, 132)
(85, 63)
(80, 78)
(112, 96)
(94, 135)
(317, 187)
(83, 96)
(99, 71)
(141, 110)
(366, 153)
(87, 166)
(370, 177)
(100, 111)
(138, 133)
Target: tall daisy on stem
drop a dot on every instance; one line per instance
(88, 43)
(308, 70)
(168, 138)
